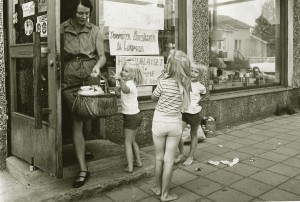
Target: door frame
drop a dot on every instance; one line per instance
(50, 131)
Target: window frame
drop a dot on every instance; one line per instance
(281, 60)
(180, 22)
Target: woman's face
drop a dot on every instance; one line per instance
(82, 14)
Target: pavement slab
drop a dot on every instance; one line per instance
(267, 171)
(229, 195)
(270, 178)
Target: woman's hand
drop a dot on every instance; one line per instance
(95, 72)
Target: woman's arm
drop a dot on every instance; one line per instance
(101, 56)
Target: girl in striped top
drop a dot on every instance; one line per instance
(173, 96)
(192, 115)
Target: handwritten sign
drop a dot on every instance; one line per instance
(148, 16)
(126, 41)
(150, 66)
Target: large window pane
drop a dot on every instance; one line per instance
(244, 43)
(143, 17)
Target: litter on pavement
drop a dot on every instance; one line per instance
(225, 162)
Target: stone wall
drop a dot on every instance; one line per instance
(227, 112)
(296, 44)
(3, 109)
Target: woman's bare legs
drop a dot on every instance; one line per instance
(79, 143)
(87, 129)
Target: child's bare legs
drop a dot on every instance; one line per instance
(165, 149)
(136, 152)
(171, 146)
(194, 142)
(159, 145)
(129, 136)
(180, 146)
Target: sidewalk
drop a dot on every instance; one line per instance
(269, 167)
(268, 170)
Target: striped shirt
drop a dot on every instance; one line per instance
(197, 89)
(169, 97)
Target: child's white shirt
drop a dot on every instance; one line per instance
(197, 89)
(129, 101)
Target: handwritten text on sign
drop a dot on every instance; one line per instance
(150, 66)
(148, 16)
(125, 41)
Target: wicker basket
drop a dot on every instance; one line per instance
(95, 106)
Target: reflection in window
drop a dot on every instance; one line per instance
(167, 34)
(244, 38)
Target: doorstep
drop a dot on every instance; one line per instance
(106, 173)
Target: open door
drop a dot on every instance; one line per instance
(34, 83)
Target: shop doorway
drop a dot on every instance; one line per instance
(38, 134)
(34, 83)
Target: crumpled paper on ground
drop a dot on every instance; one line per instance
(225, 162)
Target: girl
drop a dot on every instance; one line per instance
(173, 96)
(129, 77)
(192, 115)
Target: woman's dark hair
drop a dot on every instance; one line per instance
(74, 5)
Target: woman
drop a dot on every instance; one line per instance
(83, 59)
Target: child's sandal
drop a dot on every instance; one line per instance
(79, 183)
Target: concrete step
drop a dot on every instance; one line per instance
(106, 154)
(106, 173)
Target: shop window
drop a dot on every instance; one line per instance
(143, 30)
(250, 34)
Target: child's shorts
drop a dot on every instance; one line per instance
(132, 121)
(192, 119)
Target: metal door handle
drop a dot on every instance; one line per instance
(37, 80)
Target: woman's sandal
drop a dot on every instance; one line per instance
(81, 175)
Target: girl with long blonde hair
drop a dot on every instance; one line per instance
(173, 96)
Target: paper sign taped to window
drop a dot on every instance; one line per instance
(28, 9)
(126, 41)
(150, 66)
(147, 16)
